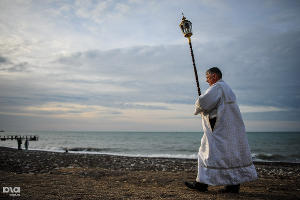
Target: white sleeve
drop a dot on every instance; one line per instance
(209, 100)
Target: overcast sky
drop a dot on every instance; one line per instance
(125, 65)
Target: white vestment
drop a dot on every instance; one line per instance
(224, 156)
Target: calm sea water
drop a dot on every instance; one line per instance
(265, 146)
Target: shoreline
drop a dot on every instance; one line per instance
(54, 175)
(143, 156)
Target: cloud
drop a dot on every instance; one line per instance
(120, 78)
(257, 109)
(21, 67)
(3, 60)
(8, 66)
(129, 59)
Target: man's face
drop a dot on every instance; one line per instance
(211, 78)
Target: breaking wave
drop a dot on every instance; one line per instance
(91, 149)
(276, 157)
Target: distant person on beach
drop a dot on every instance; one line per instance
(224, 156)
(19, 140)
(26, 144)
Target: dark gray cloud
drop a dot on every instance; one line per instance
(291, 115)
(7, 65)
(262, 69)
(3, 60)
(20, 67)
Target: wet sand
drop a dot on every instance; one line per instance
(50, 175)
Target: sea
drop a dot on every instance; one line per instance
(265, 146)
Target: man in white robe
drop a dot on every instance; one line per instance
(224, 156)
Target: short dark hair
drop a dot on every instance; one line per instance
(215, 70)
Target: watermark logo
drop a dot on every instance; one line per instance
(12, 191)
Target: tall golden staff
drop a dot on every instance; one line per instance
(186, 28)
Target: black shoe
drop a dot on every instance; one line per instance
(231, 189)
(196, 186)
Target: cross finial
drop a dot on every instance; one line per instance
(183, 18)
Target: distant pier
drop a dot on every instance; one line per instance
(19, 137)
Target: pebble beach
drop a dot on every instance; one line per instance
(53, 175)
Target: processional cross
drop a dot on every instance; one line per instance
(186, 28)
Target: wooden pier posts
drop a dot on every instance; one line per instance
(19, 139)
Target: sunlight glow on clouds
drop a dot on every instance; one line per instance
(67, 110)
